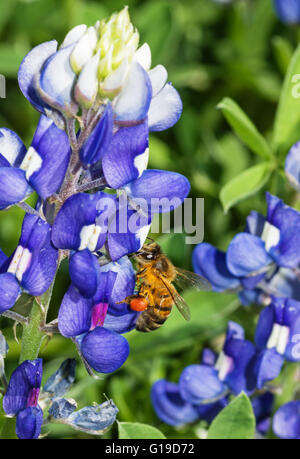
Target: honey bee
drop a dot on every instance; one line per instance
(155, 293)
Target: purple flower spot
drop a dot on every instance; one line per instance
(98, 314)
(33, 397)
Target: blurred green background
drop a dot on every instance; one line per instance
(211, 51)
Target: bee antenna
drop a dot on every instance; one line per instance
(150, 239)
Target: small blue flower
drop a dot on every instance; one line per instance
(97, 323)
(41, 168)
(288, 11)
(21, 399)
(286, 421)
(277, 325)
(259, 260)
(207, 383)
(32, 266)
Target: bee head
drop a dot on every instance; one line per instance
(149, 252)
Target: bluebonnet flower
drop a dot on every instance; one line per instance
(41, 168)
(288, 11)
(286, 421)
(21, 398)
(277, 325)
(32, 266)
(122, 74)
(98, 322)
(173, 409)
(267, 249)
(206, 383)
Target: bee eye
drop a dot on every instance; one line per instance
(149, 257)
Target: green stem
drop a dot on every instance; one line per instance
(32, 335)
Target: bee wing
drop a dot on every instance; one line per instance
(187, 279)
(179, 302)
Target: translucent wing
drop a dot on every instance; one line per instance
(187, 279)
(181, 305)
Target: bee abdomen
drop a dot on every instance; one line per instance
(149, 320)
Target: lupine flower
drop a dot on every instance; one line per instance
(288, 11)
(41, 168)
(97, 64)
(32, 266)
(277, 325)
(21, 398)
(97, 323)
(252, 257)
(209, 382)
(172, 409)
(286, 421)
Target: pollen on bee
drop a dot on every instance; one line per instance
(138, 304)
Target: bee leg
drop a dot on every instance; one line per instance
(127, 299)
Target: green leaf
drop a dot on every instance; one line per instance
(244, 185)
(236, 421)
(131, 430)
(244, 128)
(287, 122)
(10, 59)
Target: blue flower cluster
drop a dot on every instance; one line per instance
(261, 264)
(25, 400)
(262, 261)
(98, 98)
(204, 389)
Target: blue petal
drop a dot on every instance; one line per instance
(127, 156)
(84, 272)
(287, 220)
(53, 149)
(9, 291)
(12, 149)
(13, 187)
(3, 258)
(263, 407)
(78, 211)
(104, 350)
(62, 408)
(288, 11)
(241, 351)
(292, 166)
(121, 286)
(246, 254)
(99, 140)
(209, 411)
(165, 109)
(27, 376)
(209, 357)
(30, 68)
(58, 92)
(264, 326)
(29, 423)
(134, 100)
(170, 406)
(200, 384)
(127, 231)
(265, 367)
(285, 283)
(211, 263)
(121, 324)
(74, 317)
(36, 238)
(255, 223)
(155, 185)
(286, 421)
